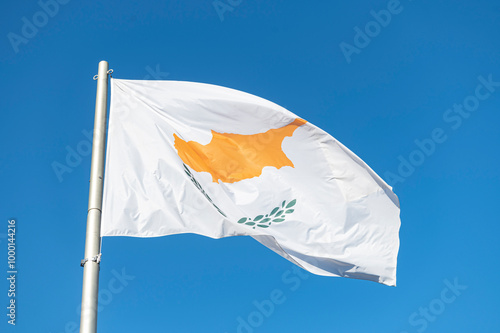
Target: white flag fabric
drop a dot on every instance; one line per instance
(187, 157)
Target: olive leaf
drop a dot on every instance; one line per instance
(277, 215)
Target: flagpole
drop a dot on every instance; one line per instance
(88, 318)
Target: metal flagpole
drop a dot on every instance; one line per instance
(88, 319)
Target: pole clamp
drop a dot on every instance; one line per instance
(96, 259)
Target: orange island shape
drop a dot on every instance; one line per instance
(234, 157)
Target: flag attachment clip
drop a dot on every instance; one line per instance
(109, 72)
(96, 259)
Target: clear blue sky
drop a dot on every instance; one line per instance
(377, 92)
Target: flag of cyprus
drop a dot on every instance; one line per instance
(187, 157)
